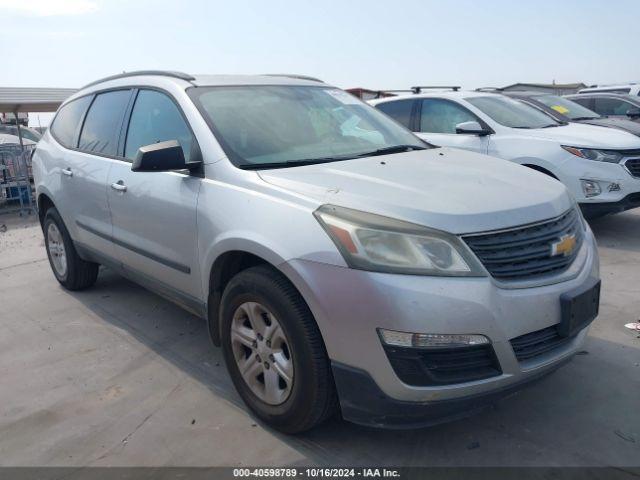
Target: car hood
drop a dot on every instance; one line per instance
(447, 189)
(589, 136)
(621, 123)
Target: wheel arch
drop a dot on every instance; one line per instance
(44, 202)
(540, 169)
(226, 264)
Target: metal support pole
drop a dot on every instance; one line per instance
(19, 131)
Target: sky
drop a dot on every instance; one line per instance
(348, 43)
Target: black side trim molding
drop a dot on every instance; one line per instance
(164, 261)
(188, 302)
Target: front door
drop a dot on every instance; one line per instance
(154, 213)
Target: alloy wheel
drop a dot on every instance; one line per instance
(262, 354)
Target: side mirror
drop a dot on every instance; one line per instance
(472, 128)
(633, 112)
(161, 157)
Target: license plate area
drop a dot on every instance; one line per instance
(579, 307)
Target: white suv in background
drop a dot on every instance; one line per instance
(629, 88)
(599, 165)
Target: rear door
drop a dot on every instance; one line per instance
(437, 120)
(85, 167)
(154, 213)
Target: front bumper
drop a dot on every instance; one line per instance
(615, 180)
(349, 305)
(595, 210)
(362, 401)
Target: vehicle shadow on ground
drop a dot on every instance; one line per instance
(551, 422)
(620, 231)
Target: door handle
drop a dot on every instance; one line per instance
(67, 171)
(119, 186)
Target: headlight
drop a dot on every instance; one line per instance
(610, 156)
(383, 244)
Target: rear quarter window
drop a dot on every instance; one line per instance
(67, 122)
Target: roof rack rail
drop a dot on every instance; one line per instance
(395, 90)
(419, 88)
(294, 75)
(164, 73)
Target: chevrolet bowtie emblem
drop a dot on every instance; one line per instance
(564, 247)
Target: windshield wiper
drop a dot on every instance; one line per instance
(293, 163)
(392, 149)
(313, 161)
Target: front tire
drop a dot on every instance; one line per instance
(274, 351)
(70, 270)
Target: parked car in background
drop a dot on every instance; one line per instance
(336, 256)
(627, 88)
(600, 166)
(11, 119)
(9, 139)
(566, 110)
(614, 105)
(26, 132)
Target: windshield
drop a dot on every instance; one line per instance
(271, 126)
(26, 132)
(566, 107)
(512, 113)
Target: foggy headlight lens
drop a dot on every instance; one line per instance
(610, 156)
(382, 244)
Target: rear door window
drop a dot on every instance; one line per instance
(102, 126)
(585, 102)
(67, 122)
(399, 110)
(156, 118)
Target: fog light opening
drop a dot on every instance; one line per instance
(590, 188)
(430, 340)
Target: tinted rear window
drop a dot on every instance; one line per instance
(399, 110)
(102, 125)
(67, 121)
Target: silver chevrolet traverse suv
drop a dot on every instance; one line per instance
(342, 263)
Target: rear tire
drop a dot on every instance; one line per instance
(70, 270)
(268, 331)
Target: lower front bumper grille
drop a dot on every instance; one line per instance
(537, 343)
(443, 366)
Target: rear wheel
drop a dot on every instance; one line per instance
(274, 351)
(69, 269)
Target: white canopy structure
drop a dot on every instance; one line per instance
(24, 99)
(32, 99)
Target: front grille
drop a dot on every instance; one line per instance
(633, 165)
(443, 366)
(526, 252)
(537, 343)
